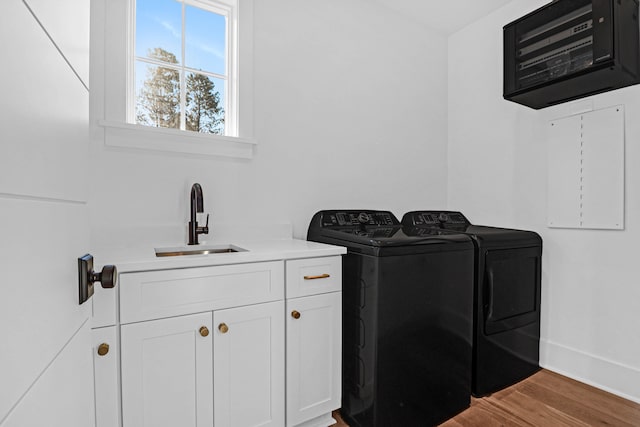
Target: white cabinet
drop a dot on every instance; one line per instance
(183, 370)
(313, 357)
(217, 346)
(248, 366)
(203, 346)
(314, 340)
(167, 377)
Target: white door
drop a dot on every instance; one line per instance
(167, 378)
(314, 356)
(248, 366)
(45, 350)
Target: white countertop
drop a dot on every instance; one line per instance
(131, 259)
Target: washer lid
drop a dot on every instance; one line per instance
(389, 236)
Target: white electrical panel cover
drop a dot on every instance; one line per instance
(585, 186)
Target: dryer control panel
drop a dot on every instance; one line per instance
(436, 219)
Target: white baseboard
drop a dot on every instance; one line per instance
(605, 374)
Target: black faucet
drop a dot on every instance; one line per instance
(196, 206)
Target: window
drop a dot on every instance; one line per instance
(187, 29)
(183, 65)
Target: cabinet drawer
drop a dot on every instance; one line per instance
(156, 294)
(313, 276)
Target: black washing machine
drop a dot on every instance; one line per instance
(506, 330)
(407, 319)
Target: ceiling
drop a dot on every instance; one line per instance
(446, 16)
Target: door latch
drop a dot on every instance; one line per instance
(87, 277)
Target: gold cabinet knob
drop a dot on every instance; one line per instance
(295, 314)
(222, 327)
(204, 331)
(103, 349)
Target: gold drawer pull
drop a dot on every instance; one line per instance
(319, 276)
(204, 331)
(295, 314)
(103, 349)
(222, 327)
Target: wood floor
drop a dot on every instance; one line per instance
(546, 399)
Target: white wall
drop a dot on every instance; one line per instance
(349, 113)
(46, 372)
(497, 167)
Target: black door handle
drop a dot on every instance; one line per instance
(108, 277)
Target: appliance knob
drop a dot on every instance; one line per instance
(363, 218)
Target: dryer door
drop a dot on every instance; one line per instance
(511, 291)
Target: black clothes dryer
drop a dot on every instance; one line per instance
(407, 325)
(506, 330)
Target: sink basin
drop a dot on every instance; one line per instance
(198, 250)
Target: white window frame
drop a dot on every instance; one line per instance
(113, 86)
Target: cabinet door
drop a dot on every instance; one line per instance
(105, 373)
(249, 366)
(167, 378)
(314, 351)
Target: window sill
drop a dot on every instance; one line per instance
(128, 135)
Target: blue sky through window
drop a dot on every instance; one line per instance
(159, 24)
(204, 40)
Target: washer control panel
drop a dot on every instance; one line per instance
(362, 218)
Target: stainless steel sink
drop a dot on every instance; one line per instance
(198, 250)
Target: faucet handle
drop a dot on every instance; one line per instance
(205, 229)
